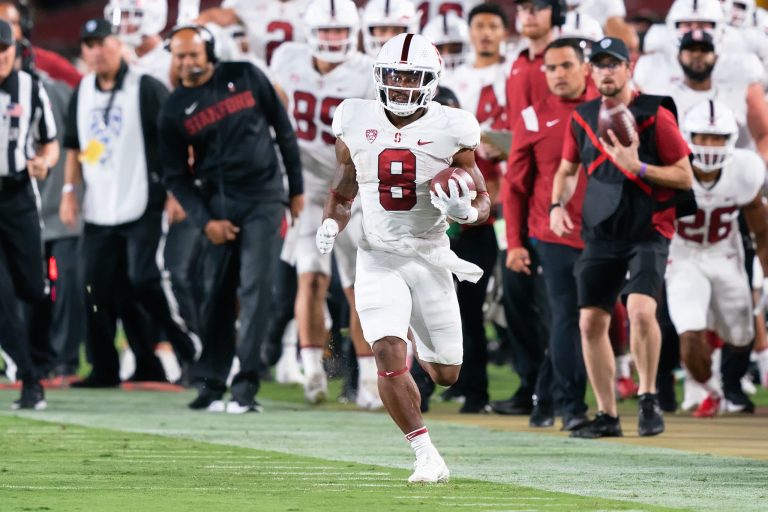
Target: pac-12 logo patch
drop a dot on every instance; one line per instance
(371, 135)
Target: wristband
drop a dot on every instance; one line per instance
(67, 188)
(555, 205)
(643, 169)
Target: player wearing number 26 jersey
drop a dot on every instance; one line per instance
(389, 151)
(707, 285)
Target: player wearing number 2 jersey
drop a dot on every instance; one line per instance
(317, 77)
(707, 285)
(389, 150)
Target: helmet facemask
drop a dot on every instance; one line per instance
(708, 158)
(332, 50)
(412, 88)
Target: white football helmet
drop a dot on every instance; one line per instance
(739, 13)
(449, 29)
(582, 26)
(410, 58)
(705, 11)
(387, 13)
(711, 117)
(323, 14)
(137, 19)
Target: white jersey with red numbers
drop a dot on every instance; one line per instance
(314, 98)
(707, 285)
(432, 8)
(482, 91)
(270, 23)
(395, 167)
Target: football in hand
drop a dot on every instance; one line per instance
(456, 174)
(616, 116)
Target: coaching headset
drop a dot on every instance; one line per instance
(559, 9)
(205, 34)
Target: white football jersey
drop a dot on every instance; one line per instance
(155, 63)
(395, 167)
(314, 98)
(733, 96)
(431, 8)
(714, 228)
(270, 23)
(482, 91)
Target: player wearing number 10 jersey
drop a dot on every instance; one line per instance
(317, 77)
(707, 284)
(389, 151)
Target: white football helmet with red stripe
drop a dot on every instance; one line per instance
(711, 118)
(696, 11)
(137, 18)
(332, 14)
(450, 32)
(387, 13)
(406, 73)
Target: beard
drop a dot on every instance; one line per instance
(698, 75)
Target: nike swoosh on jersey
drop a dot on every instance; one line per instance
(550, 124)
(190, 108)
(424, 142)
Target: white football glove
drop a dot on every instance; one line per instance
(326, 236)
(457, 207)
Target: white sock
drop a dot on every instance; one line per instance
(420, 441)
(366, 369)
(762, 366)
(717, 358)
(714, 386)
(623, 368)
(312, 359)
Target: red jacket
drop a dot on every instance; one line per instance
(533, 161)
(526, 86)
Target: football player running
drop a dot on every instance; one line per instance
(389, 149)
(316, 78)
(707, 285)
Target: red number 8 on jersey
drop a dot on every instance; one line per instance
(397, 180)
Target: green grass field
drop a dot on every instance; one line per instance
(114, 450)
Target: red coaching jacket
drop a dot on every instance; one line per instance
(533, 161)
(526, 85)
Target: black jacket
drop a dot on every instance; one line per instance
(227, 122)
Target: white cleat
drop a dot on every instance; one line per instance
(368, 395)
(287, 369)
(747, 386)
(429, 469)
(316, 388)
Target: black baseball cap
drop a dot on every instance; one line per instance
(610, 46)
(6, 34)
(97, 29)
(697, 38)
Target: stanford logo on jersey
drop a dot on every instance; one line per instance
(371, 135)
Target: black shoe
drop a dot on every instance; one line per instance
(573, 422)
(513, 406)
(243, 406)
(738, 401)
(475, 407)
(543, 416)
(650, 421)
(665, 391)
(95, 383)
(602, 426)
(208, 400)
(32, 397)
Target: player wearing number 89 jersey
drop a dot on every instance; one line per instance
(317, 77)
(707, 285)
(389, 151)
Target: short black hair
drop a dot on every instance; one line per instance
(489, 8)
(567, 42)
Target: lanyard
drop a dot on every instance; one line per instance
(118, 85)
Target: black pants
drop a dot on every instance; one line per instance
(120, 266)
(527, 311)
(183, 248)
(240, 270)
(21, 270)
(476, 245)
(570, 375)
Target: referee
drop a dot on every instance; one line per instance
(26, 125)
(225, 112)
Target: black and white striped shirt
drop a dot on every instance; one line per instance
(25, 119)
